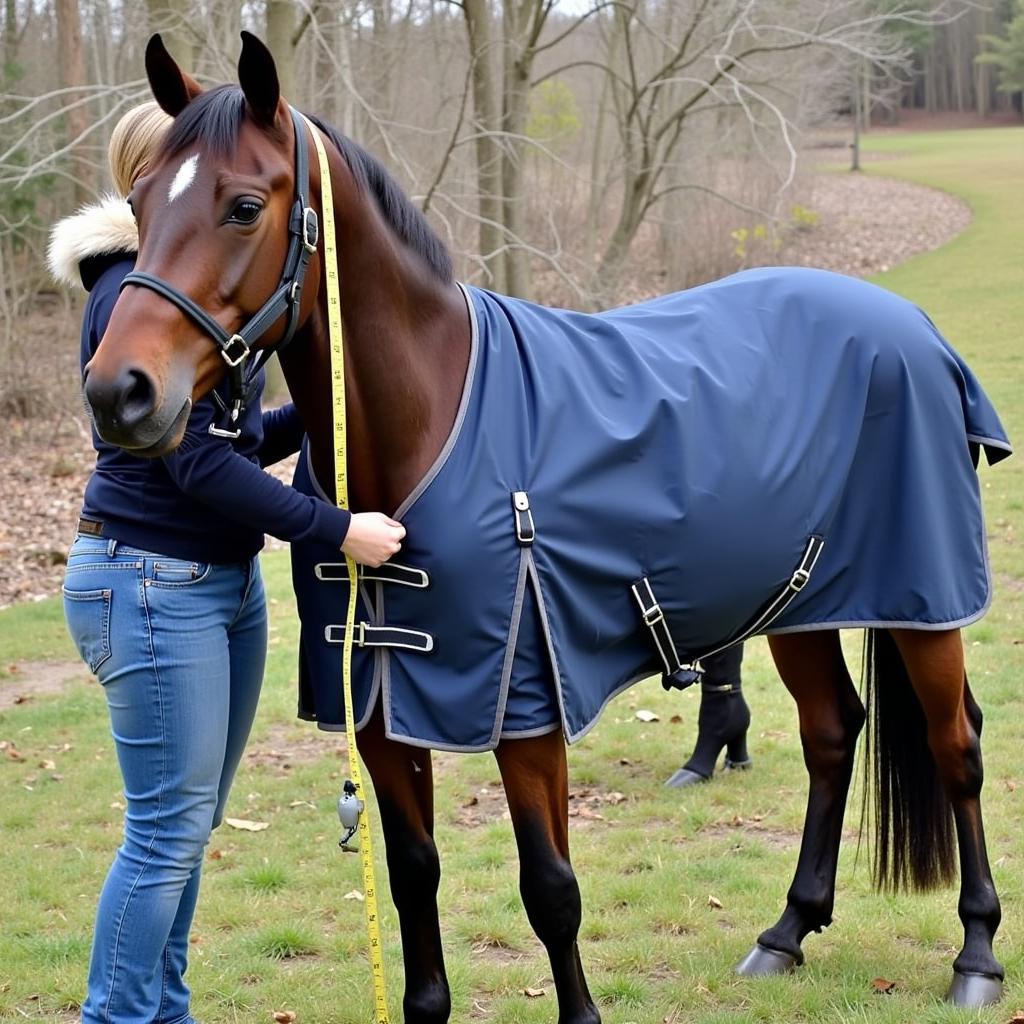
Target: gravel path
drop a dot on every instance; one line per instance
(866, 224)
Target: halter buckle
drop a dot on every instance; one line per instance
(310, 229)
(235, 351)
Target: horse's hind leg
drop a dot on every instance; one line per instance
(831, 716)
(536, 781)
(935, 664)
(403, 781)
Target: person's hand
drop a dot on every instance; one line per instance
(372, 538)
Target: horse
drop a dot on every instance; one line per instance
(211, 257)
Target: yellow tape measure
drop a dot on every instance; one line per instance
(341, 499)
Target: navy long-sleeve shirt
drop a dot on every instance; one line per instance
(210, 499)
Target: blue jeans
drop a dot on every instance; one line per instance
(179, 648)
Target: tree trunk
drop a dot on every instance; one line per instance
(517, 68)
(72, 75)
(488, 149)
(280, 28)
(170, 19)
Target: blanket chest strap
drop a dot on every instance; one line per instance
(389, 572)
(382, 636)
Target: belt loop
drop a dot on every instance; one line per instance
(111, 548)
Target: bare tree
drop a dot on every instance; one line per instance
(71, 60)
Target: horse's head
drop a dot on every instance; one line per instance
(214, 214)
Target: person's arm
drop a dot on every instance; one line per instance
(282, 434)
(208, 469)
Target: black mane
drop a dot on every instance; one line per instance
(214, 119)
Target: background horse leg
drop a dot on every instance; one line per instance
(404, 784)
(536, 781)
(831, 717)
(935, 663)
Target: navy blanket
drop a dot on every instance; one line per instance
(699, 441)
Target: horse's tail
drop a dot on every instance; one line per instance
(915, 845)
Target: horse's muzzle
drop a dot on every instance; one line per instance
(126, 412)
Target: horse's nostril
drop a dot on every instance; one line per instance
(137, 399)
(123, 402)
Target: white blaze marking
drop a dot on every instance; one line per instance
(185, 176)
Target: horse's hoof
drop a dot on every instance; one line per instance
(740, 766)
(973, 990)
(761, 961)
(685, 777)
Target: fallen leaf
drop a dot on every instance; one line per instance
(215, 855)
(247, 826)
(1011, 787)
(534, 993)
(285, 1016)
(676, 719)
(647, 716)
(472, 801)
(48, 765)
(625, 761)
(1017, 1018)
(714, 902)
(22, 698)
(883, 986)
(13, 753)
(355, 894)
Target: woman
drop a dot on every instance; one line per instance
(164, 600)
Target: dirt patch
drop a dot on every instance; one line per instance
(738, 831)
(588, 806)
(494, 951)
(285, 745)
(29, 680)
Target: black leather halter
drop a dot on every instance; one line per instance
(303, 232)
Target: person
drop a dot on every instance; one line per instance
(164, 600)
(722, 721)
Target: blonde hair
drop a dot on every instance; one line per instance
(133, 142)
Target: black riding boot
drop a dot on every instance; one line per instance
(722, 721)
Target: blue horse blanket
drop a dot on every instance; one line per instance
(699, 441)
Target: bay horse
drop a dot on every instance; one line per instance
(218, 251)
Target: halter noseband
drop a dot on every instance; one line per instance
(303, 234)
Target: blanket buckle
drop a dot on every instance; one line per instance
(525, 531)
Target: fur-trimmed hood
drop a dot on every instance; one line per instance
(99, 229)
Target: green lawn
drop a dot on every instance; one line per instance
(274, 930)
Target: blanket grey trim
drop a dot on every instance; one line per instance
(510, 648)
(460, 416)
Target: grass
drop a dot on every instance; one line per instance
(274, 930)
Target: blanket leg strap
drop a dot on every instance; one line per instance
(675, 673)
(678, 674)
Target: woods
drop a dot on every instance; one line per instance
(567, 150)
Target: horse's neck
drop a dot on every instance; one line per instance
(407, 342)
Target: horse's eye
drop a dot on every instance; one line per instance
(245, 211)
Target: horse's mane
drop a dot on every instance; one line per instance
(214, 119)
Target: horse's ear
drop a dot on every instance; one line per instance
(172, 88)
(257, 75)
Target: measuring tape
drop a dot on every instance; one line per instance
(341, 499)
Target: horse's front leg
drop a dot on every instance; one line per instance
(831, 716)
(536, 780)
(404, 784)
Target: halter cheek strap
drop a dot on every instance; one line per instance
(235, 349)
